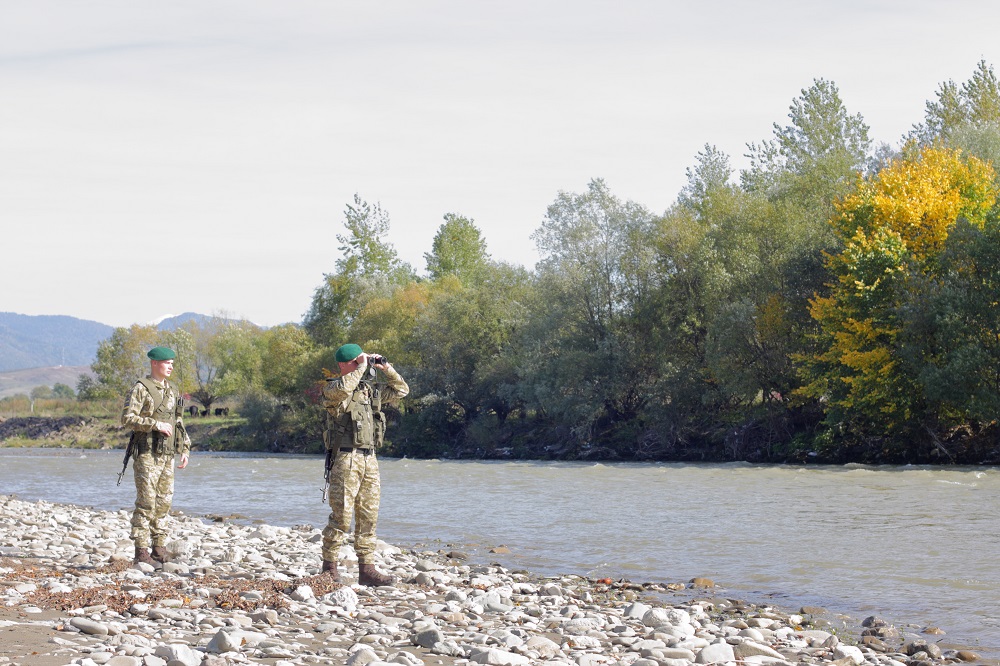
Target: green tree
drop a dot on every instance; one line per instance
(585, 349)
(239, 348)
(755, 318)
(801, 172)
(982, 141)
(366, 252)
(774, 245)
(368, 267)
(951, 342)
(982, 95)
(458, 249)
(203, 358)
(817, 157)
(121, 360)
(464, 337)
(286, 350)
(708, 183)
(87, 388)
(62, 391)
(691, 283)
(387, 324)
(976, 103)
(728, 292)
(41, 393)
(181, 341)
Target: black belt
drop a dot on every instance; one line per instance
(364, 452)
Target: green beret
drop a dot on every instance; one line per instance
(348, 353)
(161, 353)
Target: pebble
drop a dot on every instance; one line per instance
(218, 603)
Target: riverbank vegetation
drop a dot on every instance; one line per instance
(833, 301)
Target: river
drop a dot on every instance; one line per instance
(916, 545)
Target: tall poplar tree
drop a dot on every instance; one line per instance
(368, 266)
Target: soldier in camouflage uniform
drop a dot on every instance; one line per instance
(152, 412)
(355, 429)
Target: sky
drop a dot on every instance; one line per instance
(198, 155)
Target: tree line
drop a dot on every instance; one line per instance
(834, 301)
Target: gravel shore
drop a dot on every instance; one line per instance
(242, 594)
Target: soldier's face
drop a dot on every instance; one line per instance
(162, 368)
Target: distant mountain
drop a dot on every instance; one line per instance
(173, 322)
(45, 341)
(41, 341)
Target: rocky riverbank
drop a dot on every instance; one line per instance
(238, 594)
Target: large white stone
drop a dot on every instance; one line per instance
(344, 598)
(180, 653)
(849, 652)
(303, 593)
(89, 626)
(636, 610)
(495, 657)
(226, 640)
(750, 648)
(715, 653)
(545, 647)
(362, 656)
(122, 660)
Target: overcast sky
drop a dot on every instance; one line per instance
(165, 157)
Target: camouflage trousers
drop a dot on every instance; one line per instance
(154, 491)
(355, 489)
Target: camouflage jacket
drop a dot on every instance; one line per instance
(354, 407)
(138, 415)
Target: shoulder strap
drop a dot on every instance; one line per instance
(148, 383)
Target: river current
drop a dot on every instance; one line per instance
(917, 546)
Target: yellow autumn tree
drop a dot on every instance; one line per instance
(919, 200)
(893, 227)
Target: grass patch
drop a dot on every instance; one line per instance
(22, 405)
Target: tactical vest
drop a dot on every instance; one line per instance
(362, 423)
(165, 410)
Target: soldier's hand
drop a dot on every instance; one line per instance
(184, 461)
(166, 428)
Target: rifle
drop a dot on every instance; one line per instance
(327, 465)
(128, 454)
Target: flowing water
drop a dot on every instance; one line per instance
(917, 546)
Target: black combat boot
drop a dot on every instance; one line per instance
(142, 555)
(160, 554)
(331, 569)
(370, 576)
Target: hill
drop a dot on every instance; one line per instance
(44, 341)
(22, 381)
(174, 322)
(49, 341)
